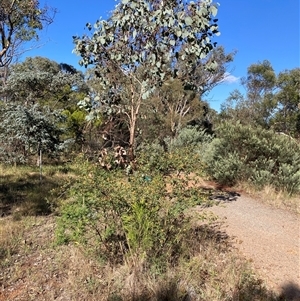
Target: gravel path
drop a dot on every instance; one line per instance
(269, 238)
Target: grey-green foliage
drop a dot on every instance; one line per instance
(158, 156)
(189, 136)
(152, 34)
(223, 167)
(152, 156)
(24, 131)
(181, 153)
(244, 153)
(143, 44)
(41, 80)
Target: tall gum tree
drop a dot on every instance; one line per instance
(140, 46)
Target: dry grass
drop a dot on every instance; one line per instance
(32, 267)
(36, 269)
(11, 236)
(268, 195)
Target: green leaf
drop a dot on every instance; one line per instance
(102, 40)
(88, 26)
(153, 57)
(202, 55)
(162, 75)
(132, 5)
(145, 95)
(179, 33)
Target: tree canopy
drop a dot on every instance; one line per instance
(20, 22)
(141, 46)
(271, 100)
(41, 80)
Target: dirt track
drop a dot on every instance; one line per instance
(269, 238)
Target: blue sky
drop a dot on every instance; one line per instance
(256, 29)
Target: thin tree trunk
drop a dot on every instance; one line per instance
(135, 108)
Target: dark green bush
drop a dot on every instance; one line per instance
(262, 157)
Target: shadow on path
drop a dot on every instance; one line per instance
(290, 292)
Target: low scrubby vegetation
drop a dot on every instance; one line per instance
(144, 228)
(138, 236)
(139, 226)
(260, 159)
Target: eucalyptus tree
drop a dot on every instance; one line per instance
(271, 100)
(179, 104)
(172, 103)
(259, 104)
(20, 22)
(140, 46)
(260, 84)
(41, 80)
(235, 108)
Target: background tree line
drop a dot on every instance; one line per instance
(52, 89)
(272, 100)
(144, 84)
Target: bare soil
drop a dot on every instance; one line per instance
(266, 236)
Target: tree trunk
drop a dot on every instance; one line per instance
(136, 100)
(132, 130)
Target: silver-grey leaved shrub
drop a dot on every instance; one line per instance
(190, 136)
(252, 154)
(27, 130)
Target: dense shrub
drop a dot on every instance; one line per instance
(169, 159)
(190, 136)
(244, 153)
(123, 217)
